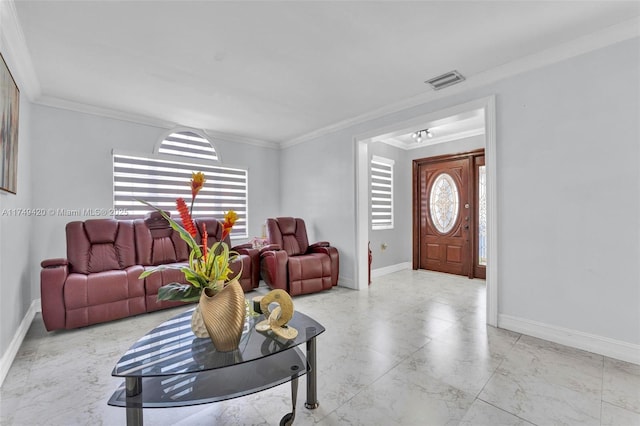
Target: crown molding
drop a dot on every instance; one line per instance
(613, 34)
(395, 142)
(242, 139)
(54, 102)
(14, 49)
(145, 120)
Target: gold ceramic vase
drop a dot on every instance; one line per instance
(197, 324)
(224, 316)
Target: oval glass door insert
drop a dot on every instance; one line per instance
(443, 203)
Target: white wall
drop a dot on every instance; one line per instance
(315, 182)
(16, 257)
(568, 185)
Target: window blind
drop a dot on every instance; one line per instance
(381, 193)
(160, 181)
(188, 144)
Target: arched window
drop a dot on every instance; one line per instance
(188, 144)
(163, 177)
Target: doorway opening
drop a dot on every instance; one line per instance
(361, 142)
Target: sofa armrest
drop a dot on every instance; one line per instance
(242, 246)
(319, 244)
(52, 263)
(242, 262)
(270, 247)
(273, 268)
(254, 264)
(332, 252)
(52, 279)
(246, 249)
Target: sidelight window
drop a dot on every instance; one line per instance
(482, 215)
(381, 193)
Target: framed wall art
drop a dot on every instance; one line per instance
(9, 109)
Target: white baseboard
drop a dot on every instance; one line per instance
(378, 272)
(612, 348)
(14, 346)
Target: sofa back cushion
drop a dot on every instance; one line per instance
(289, 233)
(99, 245)
(157, 243)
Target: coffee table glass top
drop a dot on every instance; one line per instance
(171, 348)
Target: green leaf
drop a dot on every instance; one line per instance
(179, 292)
(159, 269)
(194, 278)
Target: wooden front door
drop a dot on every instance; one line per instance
(444, 218)
(449, 229)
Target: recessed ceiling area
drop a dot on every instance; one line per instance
(274, 71)
(443, 130)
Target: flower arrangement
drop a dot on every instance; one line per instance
(208, 269)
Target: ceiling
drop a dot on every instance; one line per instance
(274, 71)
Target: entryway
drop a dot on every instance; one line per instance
(361, 142)
(449, 210)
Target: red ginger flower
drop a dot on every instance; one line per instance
(230, 219)
(197, 182)
(185, 216)
(205, 238)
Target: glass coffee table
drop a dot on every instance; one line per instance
(170, 367)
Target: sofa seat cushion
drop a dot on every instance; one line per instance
(103, 287)
(309, 273)
(158, 279)
(103, 296)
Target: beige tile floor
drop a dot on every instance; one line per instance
(412, 350)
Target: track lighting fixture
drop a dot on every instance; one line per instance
(421, 134)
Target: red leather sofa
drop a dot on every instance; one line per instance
(98, 281)
(291, 264)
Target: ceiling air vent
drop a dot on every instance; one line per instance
(445, 80)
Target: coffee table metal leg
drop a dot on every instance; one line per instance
(288, 418)
(312, 385)
(133, 387)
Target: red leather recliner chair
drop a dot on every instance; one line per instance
(291, 264)
(98, 281)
